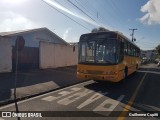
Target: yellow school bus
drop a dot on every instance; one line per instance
(107, 56)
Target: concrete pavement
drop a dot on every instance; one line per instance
(35, 82)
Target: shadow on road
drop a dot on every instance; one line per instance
(116, 89)
(36, 81)
(147, 99)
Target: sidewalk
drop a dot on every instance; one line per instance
(35, 81)
(150, 67)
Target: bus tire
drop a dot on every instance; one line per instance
(136, 67)
(124, 75)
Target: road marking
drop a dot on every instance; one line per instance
(74, 97)
(62, 94)
(109, 104)
(129, 104)
(148, 72)
(93, 98)
(20, 102)
(49, 98)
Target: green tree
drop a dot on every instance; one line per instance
(158, 49)
(94, 30)
(100, 29)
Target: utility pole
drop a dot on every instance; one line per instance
(133, 39)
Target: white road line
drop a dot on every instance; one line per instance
(49, 98)
(70, 99)
(121, 98)
(10, 105)
(93, 98)
(148, 72)
(61, 94)
(112, 104)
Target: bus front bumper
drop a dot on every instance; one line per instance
(112, 78)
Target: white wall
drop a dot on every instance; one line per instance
(57, 55)
(5, 55)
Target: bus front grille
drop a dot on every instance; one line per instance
(94, 72)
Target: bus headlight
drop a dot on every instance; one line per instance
(81, 71)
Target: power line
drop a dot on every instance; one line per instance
(149, 43)
(110, 10)
(80, 3)
(117, 10)
(93, 10)
(113, 12)
(88, 22)
(81, 10)
(69, 10)
(66, 15)
(69, 1)
(107, 12)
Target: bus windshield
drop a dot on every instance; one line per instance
(100, 51)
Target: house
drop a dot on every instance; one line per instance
(35, 49)
(148, 54)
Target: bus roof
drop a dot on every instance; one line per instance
(113, 33)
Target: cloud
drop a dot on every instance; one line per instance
(152, 12)
(74, 39)
(65, 35)
(14, 2)
(10, 21)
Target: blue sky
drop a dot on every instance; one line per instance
(116, 15)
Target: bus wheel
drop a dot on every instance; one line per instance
(124, 75)
(136, 67)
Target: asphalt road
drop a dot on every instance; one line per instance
(139, 95)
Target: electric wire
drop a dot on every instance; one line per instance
(69, 10)
(95, 12)
(66, 15)
(81, 10)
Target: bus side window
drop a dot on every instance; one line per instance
(125, 48)
(121, 51)
(138, 52)
(135, 51)
(128, 48)
(131, 50)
